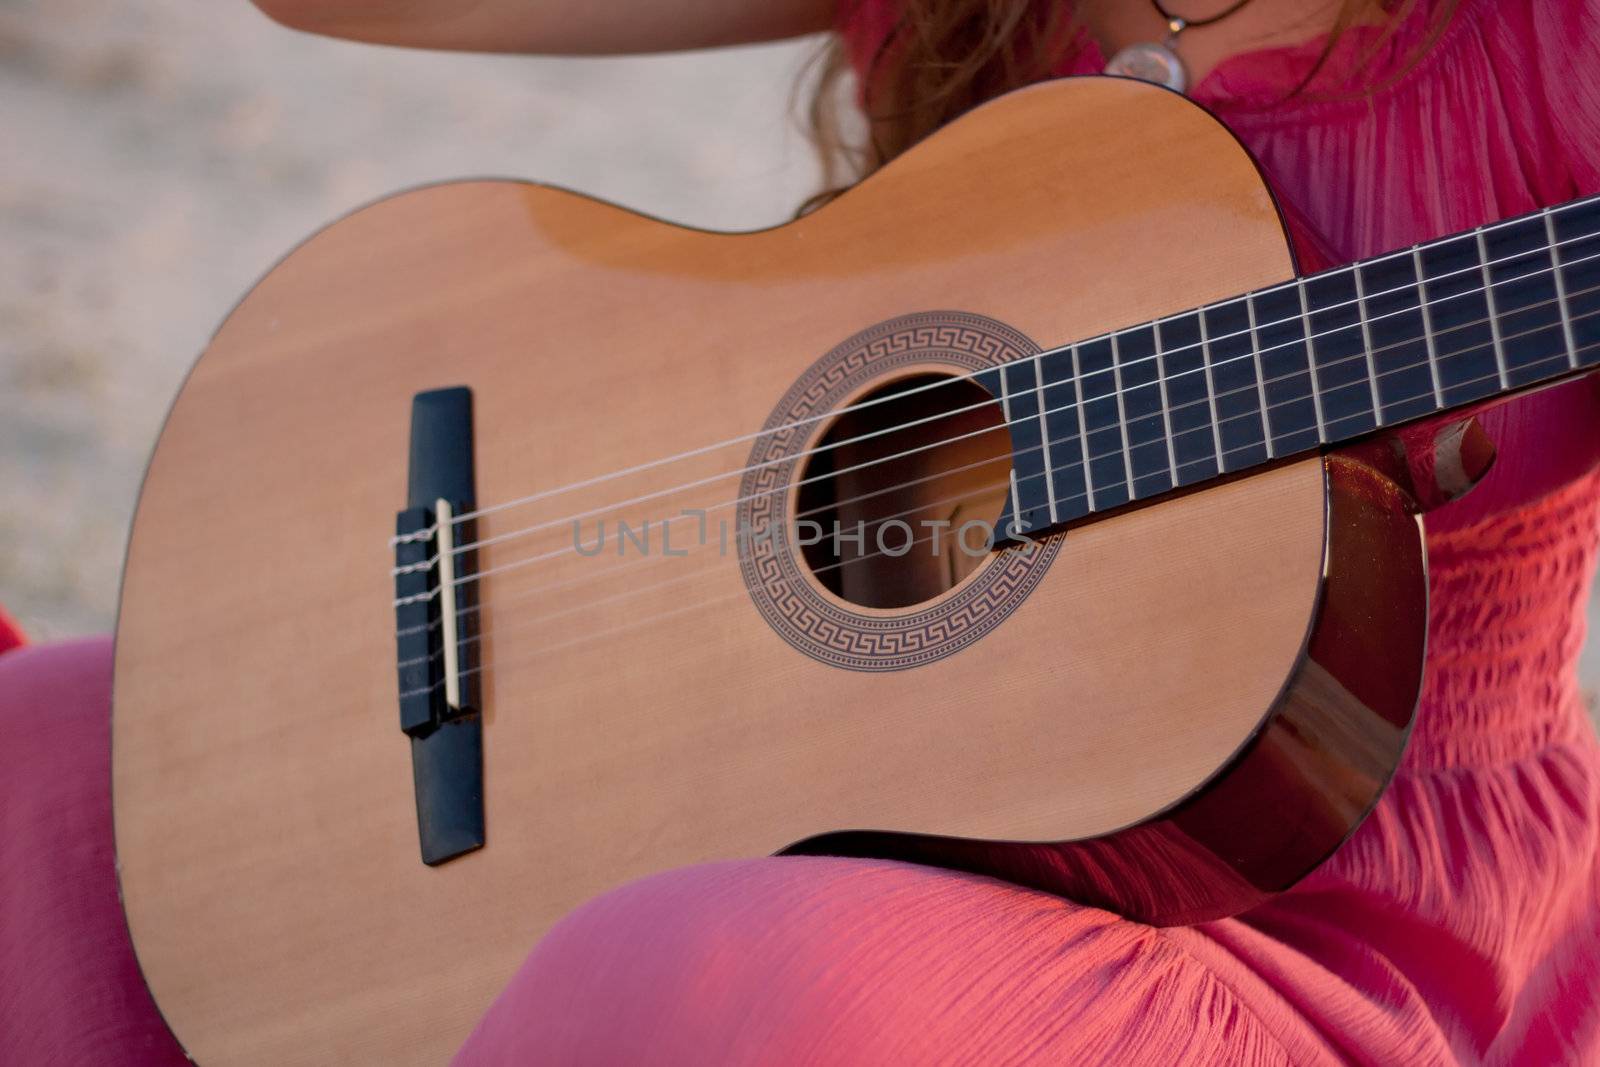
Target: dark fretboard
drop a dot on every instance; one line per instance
(1293, 367)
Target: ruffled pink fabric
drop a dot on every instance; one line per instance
(1461, 924)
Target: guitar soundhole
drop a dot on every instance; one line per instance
(899, 497)
(902, 603)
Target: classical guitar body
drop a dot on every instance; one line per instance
(1171, 707)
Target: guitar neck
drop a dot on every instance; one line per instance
(1317, 361)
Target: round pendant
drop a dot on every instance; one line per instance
(1150, 62)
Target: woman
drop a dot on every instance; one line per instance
(1461, 923)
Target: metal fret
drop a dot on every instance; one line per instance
(1122, 414)
(1494, 314)
(1103, 428)
(1016, 505)
(1005, 396)
(1398, 330)
(1083, 430)
(1015, 509)
(1018, 390)
(1143, 422)
(1184, 379)
(1242, 423)
(1458, 307)
(1339, 354)
(1211, 393)
(1059, 406)
(1044, 436)
(1526, 301)
(1316, 388)
(1261, 377)
(1561, 289)
(1427, 327)
(1283, 361)
(1166, 408)
(1366, 343)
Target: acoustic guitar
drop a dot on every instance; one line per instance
(505, 546)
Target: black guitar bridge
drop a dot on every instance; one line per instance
(436, 627)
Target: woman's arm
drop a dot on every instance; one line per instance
(573, 27)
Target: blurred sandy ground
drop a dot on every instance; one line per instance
(157, 155)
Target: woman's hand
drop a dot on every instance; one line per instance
(571, 27)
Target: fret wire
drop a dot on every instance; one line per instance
(1044, 435)
(1166, 407)
(1427, 327)
(1494, 312)
(1366, 342)
(1561, 288)
(1016, 497)
(1211, 389)
(1083, 428)
(1261, 376)
(1311, 364)
(1122, 413)
(1005, 413)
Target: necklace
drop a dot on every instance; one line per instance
(1158, 62)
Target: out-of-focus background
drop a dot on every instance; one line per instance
(156, 157)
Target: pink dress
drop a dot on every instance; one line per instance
(1460, 925)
